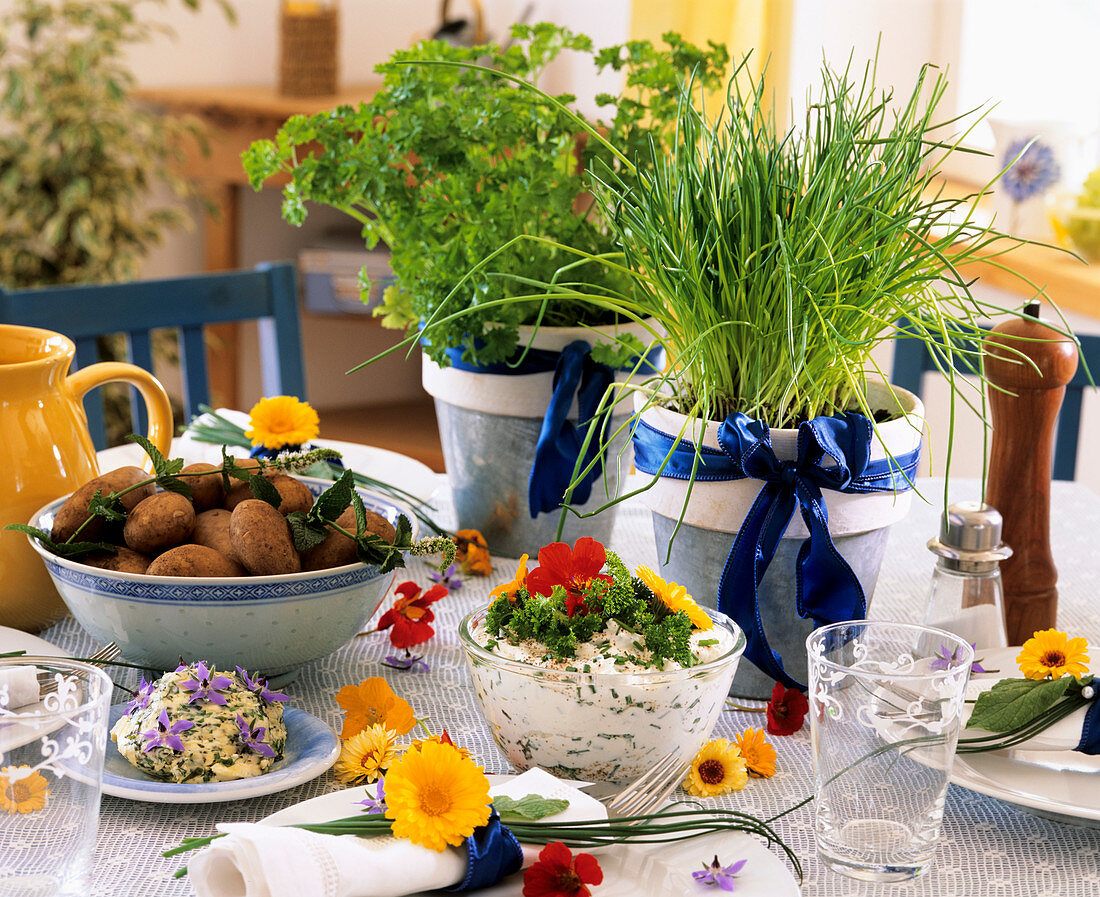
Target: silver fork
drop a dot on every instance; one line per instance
(47, 681)
(649, 792)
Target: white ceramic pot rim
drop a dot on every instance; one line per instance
(519, 395)
(724, 505)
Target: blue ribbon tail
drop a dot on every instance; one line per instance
(1090, 733)
(492, 853)
(828, 589)
(560, 440)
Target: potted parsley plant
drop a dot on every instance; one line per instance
(448, 164)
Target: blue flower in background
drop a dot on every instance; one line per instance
(1034, 172)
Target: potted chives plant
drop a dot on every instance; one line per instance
(450, 162)
(772, 265)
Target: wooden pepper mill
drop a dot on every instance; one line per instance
(1021, 461)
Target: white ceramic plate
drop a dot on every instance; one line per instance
(1057, 784)
(311, 748)
(393, 468)
(16, 640)
(629, 871)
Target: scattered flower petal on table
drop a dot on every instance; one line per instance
(759, 756)
(411, 662)
(367, 755)
(558, 873)
(411, 616)
(1053, 653)
(786, 710)
(22, 790)
(447, 578)
(436, 796)
(718, 768)
(716, 875)
(370, 702)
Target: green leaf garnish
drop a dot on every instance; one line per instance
(530, 806)
(306, 533)
(63, 549)
(263, 489)
(1013, 702)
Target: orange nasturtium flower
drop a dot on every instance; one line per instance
(509, 589)
(372, 702)
(473, 553)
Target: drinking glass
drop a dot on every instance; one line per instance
(885, 710)
(51, 773)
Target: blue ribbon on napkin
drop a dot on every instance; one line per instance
(1090, 733)
(560, 440)
(827, 589)
(492, 853)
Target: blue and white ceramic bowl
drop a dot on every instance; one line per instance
(268, 624)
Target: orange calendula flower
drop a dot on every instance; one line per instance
(473, 553)
(366, 756)
(22, 790)
(372, 702)
(759, 756)
(675, 597)
(509, 589)
(443, 738)
(279, 421)
(1055, 654)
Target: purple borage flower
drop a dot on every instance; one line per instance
(376, 804)
(165, 735)
(447, 578)
(411, 662)
(254, 738)
(259, 686)
(716, 875)
(141, 699)
(1033, 173)
(206, 686)
(946, 661)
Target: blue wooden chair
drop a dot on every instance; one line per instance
(267, 294)
(912, 360)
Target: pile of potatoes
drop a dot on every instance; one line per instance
(216, 533)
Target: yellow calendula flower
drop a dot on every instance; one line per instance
(509, 589)
(718, 768)
(759, 756)
(1055, 654)
(675, 597)
(21, 790)
(435, 796)
(279, 421)
(366, 756)
(473, 553)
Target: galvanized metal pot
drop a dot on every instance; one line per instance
(858, 524)
(489, 426)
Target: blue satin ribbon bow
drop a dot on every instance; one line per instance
(827, 589)
(492, 853)
(1090, 732)
(560, 440)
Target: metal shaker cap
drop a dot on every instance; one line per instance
(970, 538)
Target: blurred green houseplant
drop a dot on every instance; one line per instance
(78, 157)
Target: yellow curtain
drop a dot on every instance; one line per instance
(763, 26)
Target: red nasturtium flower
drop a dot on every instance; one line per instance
(410, 615)
(560, 874)
(786, 710)
(573, 569)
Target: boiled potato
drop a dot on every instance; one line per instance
(212, 530)
(125, 560)
(75, 510)
(338, 549)
(296, 495)
(159, 522)
(194, 560)
(206, 492)
(261, 537)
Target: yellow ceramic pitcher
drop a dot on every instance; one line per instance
(46, 452)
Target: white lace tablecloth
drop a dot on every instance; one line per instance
(989, 848)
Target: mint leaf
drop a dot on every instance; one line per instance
(109, 507)
(62, 549)
(160, 464)
(1012, 703)
(360, 514)
(335, 499)
(531, 806)
(173, 484)
(306, 533)
(265, 490)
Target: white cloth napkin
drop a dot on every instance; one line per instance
(19, 687)
(258, 860)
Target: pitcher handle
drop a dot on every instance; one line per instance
(156, 399)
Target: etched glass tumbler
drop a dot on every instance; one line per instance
(53, 735)
(885, 710)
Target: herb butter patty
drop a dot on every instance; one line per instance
(197, 724)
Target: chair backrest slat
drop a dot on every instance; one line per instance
(267, 294)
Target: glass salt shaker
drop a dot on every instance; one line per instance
(966, 596)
